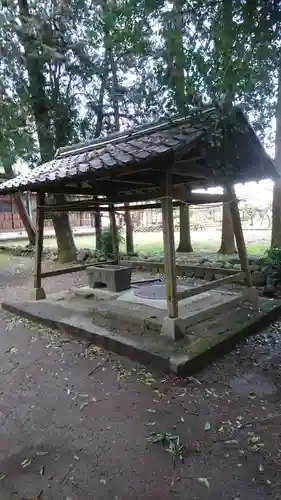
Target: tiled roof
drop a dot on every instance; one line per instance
(136, 147)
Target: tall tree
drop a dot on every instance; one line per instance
(42, 108)
(276, 201)
(224, 36)
(231, 58)
(174, 32)
(14, 143)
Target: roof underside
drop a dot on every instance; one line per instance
(209, 147)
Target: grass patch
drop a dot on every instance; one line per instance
(258, 249)
(153, 243)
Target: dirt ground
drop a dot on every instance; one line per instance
(75, 420)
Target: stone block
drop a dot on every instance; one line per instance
(250, 294)
(173, 328)
(38, 294)
(82, 255)
(237, 267)
(258, 278)
(199, 272)
(209, 275)
(115, 278)
(85, 292)
(190, 273)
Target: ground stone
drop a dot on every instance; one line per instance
(227, 265)
(82, 255)
(254, 267)
(258, 278)
(237, 266)
(172, 328)
(85, 292)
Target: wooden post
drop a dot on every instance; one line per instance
(169, 245)
(114, 235)
(12, 212)
(238, 232)
(39, 290)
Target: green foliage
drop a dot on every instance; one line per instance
(106, 240)
(170, 443)
(272, 263)
(81, 63)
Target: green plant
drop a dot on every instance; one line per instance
(106, 240)
(171, 443)
(272, 264)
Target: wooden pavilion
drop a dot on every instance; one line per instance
(164, 162)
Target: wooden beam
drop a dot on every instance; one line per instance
(193, 199)
(101, 208)
(209, 286)
(114, 235)
(131, 182)
(185, 195)
(239, 236)
(191, 168)
(169, 245)
(71, 269)
(39, 290)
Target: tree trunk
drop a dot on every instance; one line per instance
(25, 218)
(276, 215)
(129, 230)
(185, 237)
(65, 241)
(227, 236)
(176, 63)
(116, 115)
(276, 201)
(41, 110)
(66, 245)
(23, 213)
(98, 230)
(228, 90)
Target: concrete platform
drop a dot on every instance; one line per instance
(203, 342)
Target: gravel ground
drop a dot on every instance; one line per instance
(75, 420)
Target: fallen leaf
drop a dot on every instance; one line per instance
(102, 480)
(195, 380)
(210, 393)
(11, 350)
(42, 470)
(41, 453)
(252, 396)
(150, 423)
(150, 410)
(232, 441)
(37, 497)
(182, 419)
(204, 480)
(207, 426)
(255, 439)
(2, 477)
(261, 468)
(82, 406)
(26, 463)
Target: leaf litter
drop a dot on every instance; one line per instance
(170, 443)
(204, 480)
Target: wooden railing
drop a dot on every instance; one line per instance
(209, 286)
